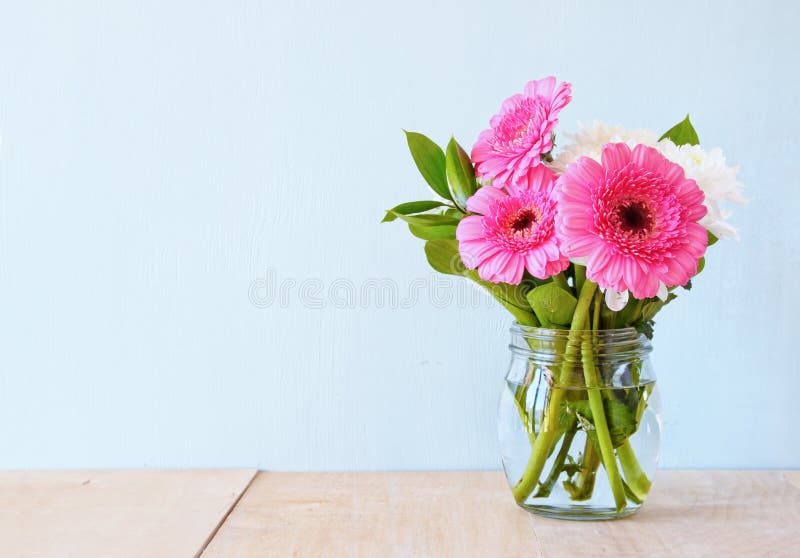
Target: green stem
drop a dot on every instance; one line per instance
(637, 480)
(635, 477)
(628, 315)
(583, 486)
(601, 425)
(520, 394)
(547, 433)
(580, 277)
(631, 316)
(558, 465)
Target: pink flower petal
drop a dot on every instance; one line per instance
(470, 228)
(483, 199)
(543, 87)
(474, 253)
(615, 156)
(632, 218)
(514, 230)
(521, 132)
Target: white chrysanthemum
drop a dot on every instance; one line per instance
(707, 168)
(714, 177)
(590, 139)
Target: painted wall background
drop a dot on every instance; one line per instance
(160, 161)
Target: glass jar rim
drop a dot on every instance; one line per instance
(550, 332)
(549, 343)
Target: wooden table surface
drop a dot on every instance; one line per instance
(93, 514)
(232, 513)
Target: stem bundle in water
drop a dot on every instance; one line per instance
(600, 447)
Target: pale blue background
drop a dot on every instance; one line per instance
(157, 158)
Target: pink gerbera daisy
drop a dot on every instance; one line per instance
(521, 133)
(513, 231)
(632, 220)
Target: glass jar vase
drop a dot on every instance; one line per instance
(579, 422)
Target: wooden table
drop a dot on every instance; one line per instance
(238, 513)
(93, 514)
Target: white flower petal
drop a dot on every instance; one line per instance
(662, 293)
(714, 177)
(616, 300)
(590, 139)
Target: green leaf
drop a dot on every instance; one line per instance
(410, 208)
(512, 294)
(434, 232)
(443, 256)
(430, 161)
(652, 306)
(629, 313)
(511, 297)
(428, 220)
(701, 265)
(460, 174)
(552, 304)
(524, 317)
(571, 469)
(620, 419)
(645, 328)
(566, 417)
(630, 494)
(682, 133)
(621, 422)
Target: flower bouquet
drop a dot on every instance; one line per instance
(583, 245)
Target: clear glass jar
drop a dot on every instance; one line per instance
(579, 422)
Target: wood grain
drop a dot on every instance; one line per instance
(142, 513)
(697, 513)
(692, 513)
(375, 514)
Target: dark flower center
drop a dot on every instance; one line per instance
(635, 217)
(524, 220)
